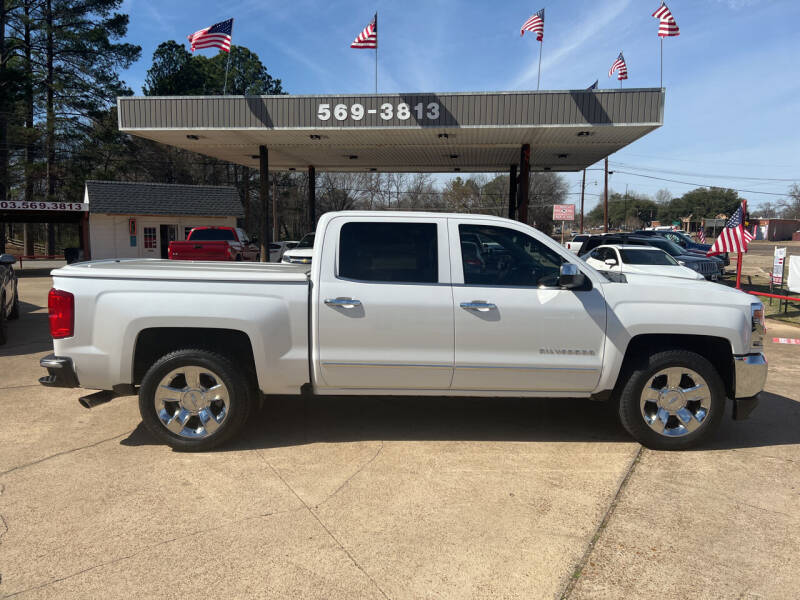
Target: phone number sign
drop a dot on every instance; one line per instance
(53, 206)
(563, 212)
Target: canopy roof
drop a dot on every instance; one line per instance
(446, 132)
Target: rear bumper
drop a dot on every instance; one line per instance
(60, 372)
(750, 371)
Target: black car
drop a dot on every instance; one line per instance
(706, 266)
(9, 296)
(687, 243)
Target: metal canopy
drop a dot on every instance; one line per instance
(468, 132)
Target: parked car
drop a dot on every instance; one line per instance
(277, 249)
(389, 308)
(687, 243)
(576, 242)
(9, 294)
(710, 269)
(301, 254)
(215, 243)
(645, 260)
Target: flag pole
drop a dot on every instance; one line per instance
(376, 52)
(227, 67)
(539, 75)
(661, 72)
(739, 254)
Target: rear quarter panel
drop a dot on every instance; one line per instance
(110, 314)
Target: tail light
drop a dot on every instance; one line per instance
(61, 306)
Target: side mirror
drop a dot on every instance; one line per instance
(611, 262)
(681, 263)
(570, 277)
(7, 259)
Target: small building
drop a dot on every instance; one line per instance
(139, 220)
(777, 230)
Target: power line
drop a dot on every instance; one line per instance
(690, 174)
(699, 184)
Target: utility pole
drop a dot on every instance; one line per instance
(605, 199)
(583, 188)
(263, 193)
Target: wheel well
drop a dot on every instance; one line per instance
(715, 349)
(153, 343)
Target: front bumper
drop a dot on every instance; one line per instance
(60, 372)
(750, 371)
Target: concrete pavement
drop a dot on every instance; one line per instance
(389, 498)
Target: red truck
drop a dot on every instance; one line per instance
(215, 243)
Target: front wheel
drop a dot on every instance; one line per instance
(674, 401)
(194, 399)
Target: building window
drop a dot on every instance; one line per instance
(149, 234)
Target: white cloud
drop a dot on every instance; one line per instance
(594, 22)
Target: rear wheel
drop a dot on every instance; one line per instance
(194, 399)
(673, 401)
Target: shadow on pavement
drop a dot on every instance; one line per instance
(29, 334)
(294, 421)
(774, 422)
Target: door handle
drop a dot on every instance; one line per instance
(343, 302)
(479, 305)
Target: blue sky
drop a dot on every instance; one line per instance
(732, 115)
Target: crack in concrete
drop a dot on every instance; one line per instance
(148, 548)
(16, 387)
(576, 572)
(321, 524)
(346, 481)
(64, 453)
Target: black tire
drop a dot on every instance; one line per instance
(235, 380)
(3, 323)
(15, 307)
(630, 411)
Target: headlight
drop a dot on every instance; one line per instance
(757, 324)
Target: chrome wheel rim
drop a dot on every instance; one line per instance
(192, 402)
(675, 402)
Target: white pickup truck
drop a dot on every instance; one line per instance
(406, 304)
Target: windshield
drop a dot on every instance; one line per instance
(666, 246)
(580, 238)
(307, 241)
(646, 257)
(211, 235)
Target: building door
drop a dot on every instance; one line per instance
(149, 242)
(169, 233)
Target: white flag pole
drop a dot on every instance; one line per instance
(228, 65)
(539, 75)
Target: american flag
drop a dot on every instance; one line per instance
(701, 235)
(216, 36)
(733, 237)
(620, 66)
(667, 27)
(535, 24)
(369, 37)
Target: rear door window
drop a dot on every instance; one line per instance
(389, 252)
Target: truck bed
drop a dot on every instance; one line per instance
(152, 268)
